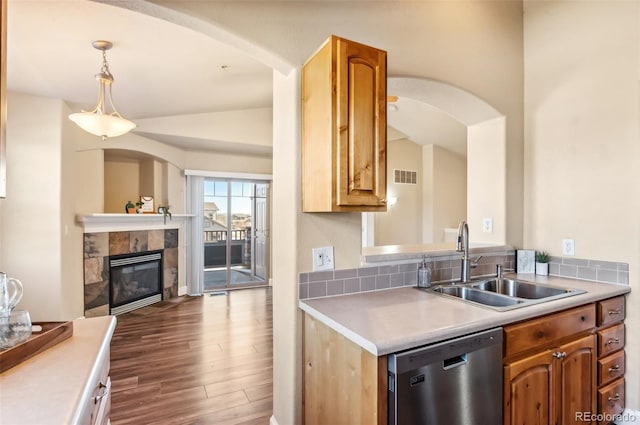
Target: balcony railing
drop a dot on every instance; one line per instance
(221, 235)
(215, 248)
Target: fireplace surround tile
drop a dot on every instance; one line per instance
(119, 243)
(94, 270)
(96, 295)
(155, 240)
(171, 238)
(138, 241)
(96, 245)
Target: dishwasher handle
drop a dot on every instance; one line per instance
(454, 361)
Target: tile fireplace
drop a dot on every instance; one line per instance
(100, 248)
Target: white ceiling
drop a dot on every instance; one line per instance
(160, 69)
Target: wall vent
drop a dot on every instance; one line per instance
(405, 176)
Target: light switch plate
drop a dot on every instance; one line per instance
(322, 258)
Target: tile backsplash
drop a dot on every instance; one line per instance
(372, 278)
(596, 270)
(445, 269)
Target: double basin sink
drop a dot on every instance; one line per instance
(503, 294)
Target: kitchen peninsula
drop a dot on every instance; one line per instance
(360, 330)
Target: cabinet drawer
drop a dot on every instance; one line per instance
(611, 311)
(610, 339)
(99, 405)
(547, 330)
(611, 367)
(611, 399)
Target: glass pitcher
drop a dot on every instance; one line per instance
(10, 293)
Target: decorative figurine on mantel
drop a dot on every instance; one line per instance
(132, 208)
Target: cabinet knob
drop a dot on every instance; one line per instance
(616, 311)
(614, 398)
(614, 368)
(559, 355)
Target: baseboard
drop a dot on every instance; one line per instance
(629, 417)
(273, 421)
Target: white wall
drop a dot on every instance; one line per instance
(71, 244)
(449, 191)
(35, 227)
(582, 133)
(286, 209)
(227, 162)
(402, 222)
(487, 182)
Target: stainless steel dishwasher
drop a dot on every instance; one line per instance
(455, 382)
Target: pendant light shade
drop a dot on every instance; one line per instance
(99, 121)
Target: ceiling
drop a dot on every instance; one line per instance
(161, 70)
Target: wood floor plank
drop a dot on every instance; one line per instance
(195, 360)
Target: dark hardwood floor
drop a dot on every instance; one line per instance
(195, 360)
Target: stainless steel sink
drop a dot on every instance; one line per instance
(520, 289)
(503, 294)
(478, 296)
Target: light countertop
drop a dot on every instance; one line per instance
(53, 387)
(388, 321)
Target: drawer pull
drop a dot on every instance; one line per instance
(616, 311)
(614, 369)
(614, 398)
(104, 391)
(613, 341)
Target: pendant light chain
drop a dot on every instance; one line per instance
(105, 65)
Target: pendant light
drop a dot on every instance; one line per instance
(99, 121)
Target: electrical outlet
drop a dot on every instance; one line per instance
(322, 258)
(487, 225)
(568, 247)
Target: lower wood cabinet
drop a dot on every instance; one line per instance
(552, 378)
(342, 382)
(553, 385)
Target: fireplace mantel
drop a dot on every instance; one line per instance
(103, 222)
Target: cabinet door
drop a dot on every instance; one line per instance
(361, 76)
(527, 392)
(577, 384)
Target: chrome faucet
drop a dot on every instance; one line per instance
(463, 246)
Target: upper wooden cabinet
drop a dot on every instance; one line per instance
(344, 128)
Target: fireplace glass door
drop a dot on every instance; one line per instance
(136, 281)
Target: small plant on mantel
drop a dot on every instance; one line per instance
(132, 208)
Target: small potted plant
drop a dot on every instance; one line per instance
(132, 208)
(542, 263)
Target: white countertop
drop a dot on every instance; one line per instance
(384, 322)
(51, 387)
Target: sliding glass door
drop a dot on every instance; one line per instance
(235, 233)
